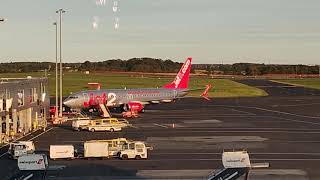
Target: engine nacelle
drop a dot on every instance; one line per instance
(133, 106)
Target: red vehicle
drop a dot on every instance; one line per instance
(53, 110)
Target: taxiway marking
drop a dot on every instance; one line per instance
(249, 113)
(160, 125)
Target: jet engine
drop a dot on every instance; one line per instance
(133, 106)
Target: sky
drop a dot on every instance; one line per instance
(210, 31)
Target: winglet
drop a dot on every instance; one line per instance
(206, 92)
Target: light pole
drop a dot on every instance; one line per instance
(56, 108)
(60, 12)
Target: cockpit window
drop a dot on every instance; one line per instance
(73, 97)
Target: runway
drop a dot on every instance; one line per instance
(189, 136)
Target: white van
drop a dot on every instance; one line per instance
(97, 126)
(79, 123)
(61, 152)
(32, 162)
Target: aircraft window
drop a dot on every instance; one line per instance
(73, 97)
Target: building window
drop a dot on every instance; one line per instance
(20, 97)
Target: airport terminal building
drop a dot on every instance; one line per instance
(24, 106)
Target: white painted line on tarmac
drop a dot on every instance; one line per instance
(26, 178)
(243, 112)
(245, 128)
(269, 110)
(181, 130)
(250, 153)
(29, 139)
(294, 120)
(215, 159)
(41, 133)
(293, 105)
(3, 154)
(292, 114)
(160, 125)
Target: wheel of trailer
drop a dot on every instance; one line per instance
(92, 130)
(138, 157)
(111, 130)
(124, 157)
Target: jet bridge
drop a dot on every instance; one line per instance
(236, 164)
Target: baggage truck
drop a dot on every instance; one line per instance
(134, 150)
(20, 148)
(29, 145)
(61, 152)
(33, 162)
(95, 149)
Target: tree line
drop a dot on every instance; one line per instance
(251, 69)
(132, 65)
(153, 65)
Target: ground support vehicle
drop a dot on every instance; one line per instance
(236, 164)
(96, 149)
(102, 127)
(17, 149)
(79, 123)
(115, 145)
(61, 152)
(134, 150)
(32, 162)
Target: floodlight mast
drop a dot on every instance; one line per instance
(60, 12)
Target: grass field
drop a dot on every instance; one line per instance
(76, 81)
(311, 83)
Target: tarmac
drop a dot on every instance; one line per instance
(189, 136)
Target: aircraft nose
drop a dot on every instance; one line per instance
(68, 102)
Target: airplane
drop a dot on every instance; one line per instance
(135, 99)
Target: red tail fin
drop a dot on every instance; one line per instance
(182, 79)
